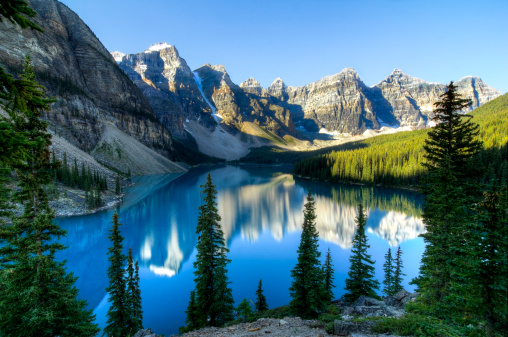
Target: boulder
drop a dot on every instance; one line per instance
(345, 328)
(146, 333)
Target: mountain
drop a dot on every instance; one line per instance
(97, 105)
(205, 105)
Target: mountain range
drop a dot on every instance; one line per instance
(109, 103)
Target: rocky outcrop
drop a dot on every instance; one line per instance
(335, 103)
(402, 100)
(169, 85)
(146, 333)
(84, 78)
(391, 306)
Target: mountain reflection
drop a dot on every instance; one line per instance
(160, 218)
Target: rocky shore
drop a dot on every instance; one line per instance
(347, 323)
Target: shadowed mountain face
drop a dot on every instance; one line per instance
(339, 104)
(91, 90)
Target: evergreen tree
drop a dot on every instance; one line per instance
(360, 279)
(397, 274)
(137, 311)
(119, 311)
(388, 269)
(134, 295)
(328, 274)
(193, 315)
(214, 297)
(17, 11)
(131, 290)
(307, 288)
(37, 296)
(261, 304)
(244, 310)
(98, 198)
(117, 185)
(451, 194)
(490, 267)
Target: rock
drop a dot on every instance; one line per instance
(400, 295)
(367, 301)
(283, 322)
(400, 299)
(344, 328)
(146, 333)
(169, 85)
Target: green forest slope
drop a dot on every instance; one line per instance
(396, 159)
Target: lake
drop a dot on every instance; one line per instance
(262, 214)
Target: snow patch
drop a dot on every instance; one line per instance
(431, 124)
(215, 115)
(118, 56)
(326, 132)
(157, 47)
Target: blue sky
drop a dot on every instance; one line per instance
(302, 41)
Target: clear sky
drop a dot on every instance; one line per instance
(302, 41)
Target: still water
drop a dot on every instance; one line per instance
(261, 210)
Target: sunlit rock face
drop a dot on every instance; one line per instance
(169, 85)
(409, 101)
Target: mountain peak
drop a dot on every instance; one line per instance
(158, 47)
(117, 55)
(278, 82)
(250, 82)
(348, 70)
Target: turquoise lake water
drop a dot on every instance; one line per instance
(261, 209)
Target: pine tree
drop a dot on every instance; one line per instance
(17, 11)
(117, 185)
(137, 311)
(214, 297)
(261, 304)
(119, 311)
(397, 274)
(244, 310)
(307, 287)
(360, 279)
(193, 315)
(98, 198)
(490, 267)
(38, 297)
(131, 290)
(328, 274)
(388, 269)
(451, 194)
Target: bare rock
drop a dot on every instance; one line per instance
(146, 333)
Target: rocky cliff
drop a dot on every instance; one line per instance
(91, 90)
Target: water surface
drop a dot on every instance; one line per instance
(261, 210)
